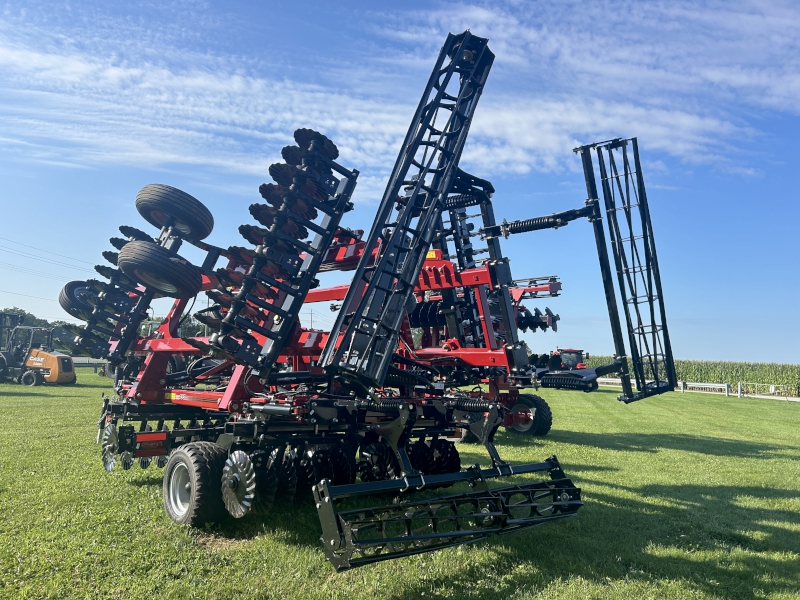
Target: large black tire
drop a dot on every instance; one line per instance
(162, 204)
(156, 267)
(542, 417)
(74, 299)
(192, 491)
(29, 378)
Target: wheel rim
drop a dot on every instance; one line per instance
(523, 427)
(84, 295)
(163, 219)
(154, 281)
(180, 490)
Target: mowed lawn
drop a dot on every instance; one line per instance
(687, 495)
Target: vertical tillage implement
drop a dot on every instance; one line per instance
(425, 349)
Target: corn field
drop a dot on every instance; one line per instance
(720, 371)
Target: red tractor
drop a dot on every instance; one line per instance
(425, 344)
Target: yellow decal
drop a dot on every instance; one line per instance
(431, 254)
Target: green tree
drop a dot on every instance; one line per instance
(30, 319)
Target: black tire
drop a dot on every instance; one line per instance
(162, 204)
(158, 268)
(73, 298)
(192, 491)
(29, 378)
(542, 419)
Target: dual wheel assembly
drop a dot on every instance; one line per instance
(204, 482)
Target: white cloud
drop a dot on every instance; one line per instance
(680, 77)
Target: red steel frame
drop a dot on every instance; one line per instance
(306, 345)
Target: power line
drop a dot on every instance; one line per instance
(39, 258)
(28, 296)
(46, 251)
(30, 272)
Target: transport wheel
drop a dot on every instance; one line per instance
(541, 416)
(192, 490)
(266, 465)
(377, 462)
(29, 378)
(158, 268)
(162, 205)
(75, 298)
(238, 484)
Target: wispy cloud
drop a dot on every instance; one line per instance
(679, 76)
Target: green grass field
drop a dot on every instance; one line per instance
(687, 495)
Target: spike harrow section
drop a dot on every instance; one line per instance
(360, 536)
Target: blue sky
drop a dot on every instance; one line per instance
(98, 99)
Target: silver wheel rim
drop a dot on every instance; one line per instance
(180, 490)
(154, 281)
(163, 219)
(523, 427)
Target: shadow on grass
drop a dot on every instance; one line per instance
(701, 535)
(653, 442)
(296, 524)
(23, 391)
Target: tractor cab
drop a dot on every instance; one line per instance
(566, 359)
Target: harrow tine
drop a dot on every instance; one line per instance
(111, 257)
